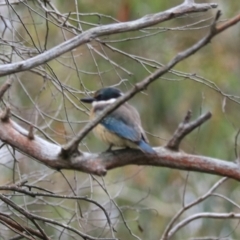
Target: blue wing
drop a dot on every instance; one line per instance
(125, 125)
(121, 129)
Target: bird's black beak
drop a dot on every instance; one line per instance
(87, 99)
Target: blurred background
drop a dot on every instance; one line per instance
(48, 97)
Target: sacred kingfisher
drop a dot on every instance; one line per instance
(122, 127)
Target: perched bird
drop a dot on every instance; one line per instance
(120, 128)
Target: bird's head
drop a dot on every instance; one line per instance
(104, 95)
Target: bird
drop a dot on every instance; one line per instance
(122, 127)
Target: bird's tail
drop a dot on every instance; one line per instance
(146, 148)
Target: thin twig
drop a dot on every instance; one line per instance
(185, 128)
(17, 188)
(193, 217)
(99, 31)
(31, 216)
(4, 87)
(165, 235)
(15, 225)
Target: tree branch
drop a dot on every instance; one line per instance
(93, 33)
(183, 223)
(5, 86)
(200, 199)
(185, 128)
(50, 154)
(34, 217)
(23, 230)
(20, 189)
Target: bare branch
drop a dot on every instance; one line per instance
(5, 86)
(5, 115)
(185, 128)
(228, 24)
(18, 227)
(50, 155)
(93, 33)
(203, 215)
(46, 220)
(31, 133)
(20, 189)
(12, 2)
(191, 204)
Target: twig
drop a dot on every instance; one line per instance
(93, 33)
(202, 215)
(5, 86)
(17, 188)
(185, 128)
(19, 227)
(5, 115)
(165, 235)
(31, 133)
(34, 217)
(236, 145)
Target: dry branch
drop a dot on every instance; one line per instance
(93, 33)
(231, 215)
(5, 86)
(195, 202)
(21, 188)
(50, 155)
(34, 217)
(185, 128)
(20, 229)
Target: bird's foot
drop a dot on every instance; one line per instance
(109, 148)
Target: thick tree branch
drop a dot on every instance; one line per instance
(50, 154)
(96, 32)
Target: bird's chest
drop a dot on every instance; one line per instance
(105, 135)
(99, 130)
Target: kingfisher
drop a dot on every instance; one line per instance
(122, 127)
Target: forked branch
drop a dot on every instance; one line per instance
(51, 155)
(96, 32)
(185, 128)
